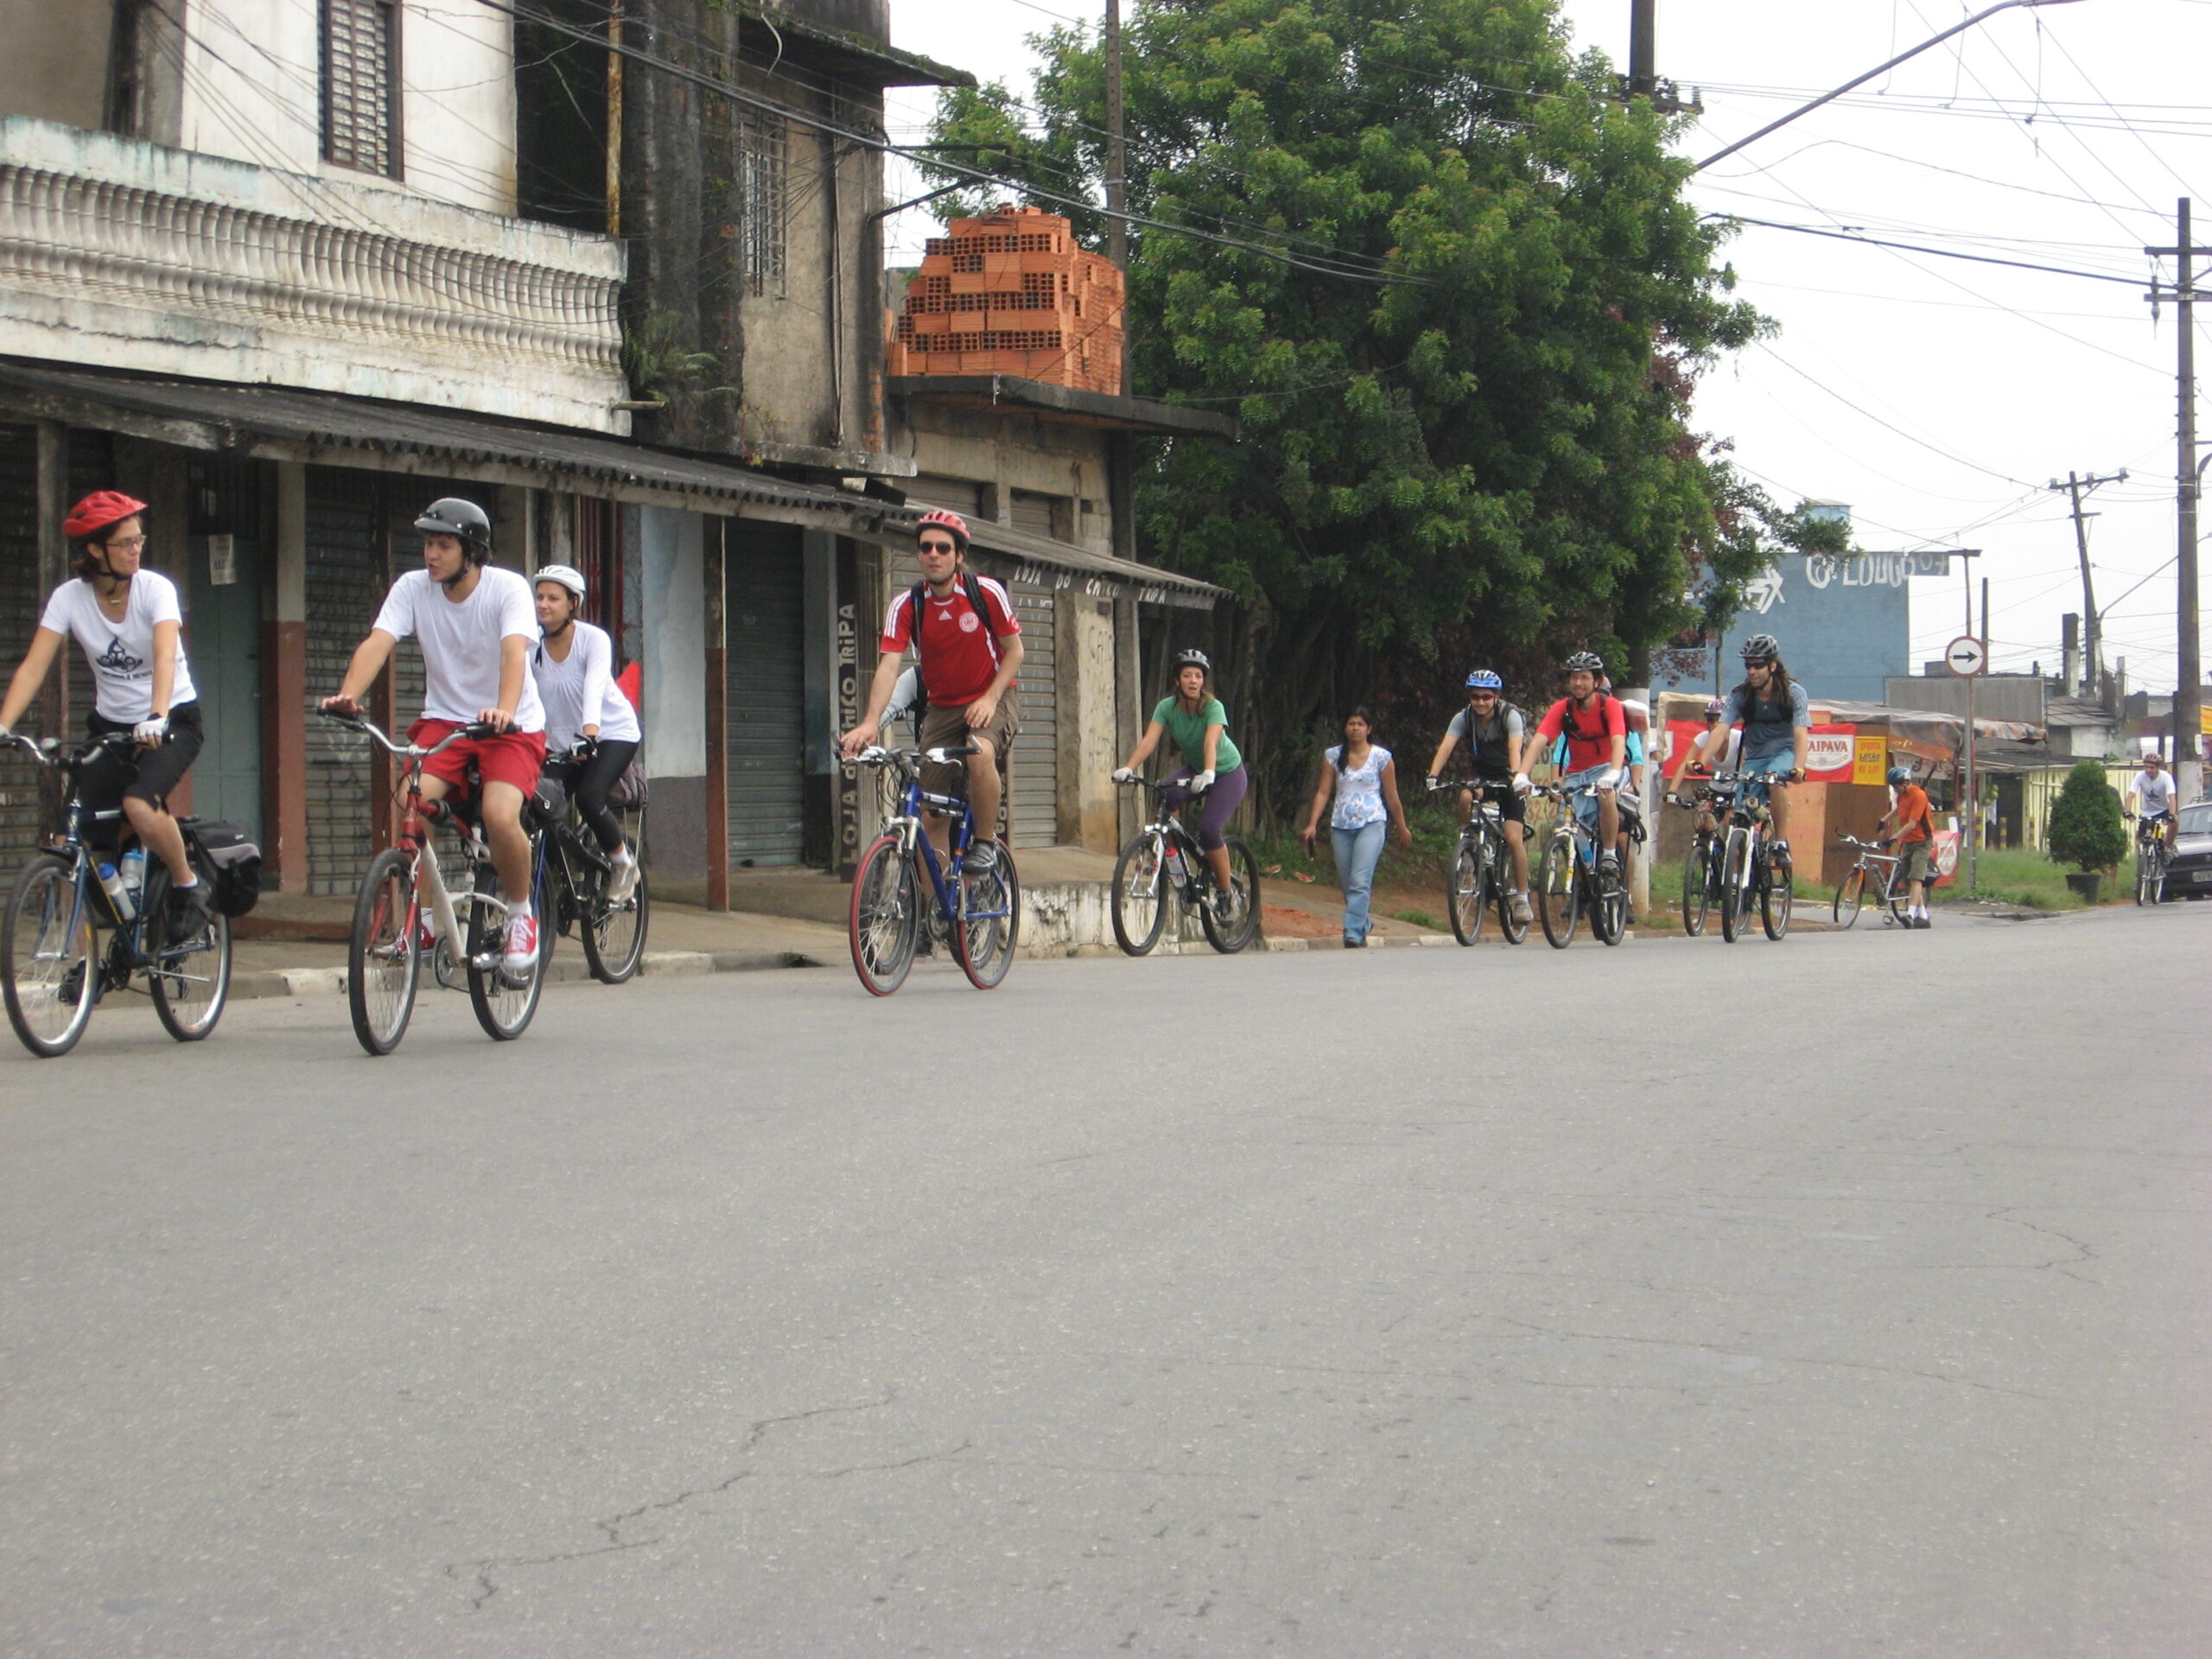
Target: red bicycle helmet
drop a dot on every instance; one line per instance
(96, 512)
(946, 520)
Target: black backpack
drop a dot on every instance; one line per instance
(915, 596)
(235, 859)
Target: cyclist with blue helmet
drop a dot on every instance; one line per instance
(1494, 732)
(1913, 825)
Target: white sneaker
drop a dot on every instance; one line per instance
(521, 958)
(624, 881)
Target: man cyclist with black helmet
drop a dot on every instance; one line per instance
(476, 625)
(1596, 729)
(1777, 719)
(968, 642)
(1493, 730)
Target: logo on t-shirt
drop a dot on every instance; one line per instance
(970, 622)
(117, 660)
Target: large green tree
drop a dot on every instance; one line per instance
(1462, 343)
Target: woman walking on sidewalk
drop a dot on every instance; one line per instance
(1364, 779)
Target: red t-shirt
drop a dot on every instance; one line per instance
(1589, 741)
(1912, 814)
(958, 652)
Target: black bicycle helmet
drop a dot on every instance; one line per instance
(451, 516)
(1762, 648)
(1583, 662)
(1191, 658)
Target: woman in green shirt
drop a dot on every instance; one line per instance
(1212, 767)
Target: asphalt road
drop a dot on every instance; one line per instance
(1843, 1296)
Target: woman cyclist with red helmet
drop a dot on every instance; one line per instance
(128, 621)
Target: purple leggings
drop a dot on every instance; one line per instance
(1222, 801)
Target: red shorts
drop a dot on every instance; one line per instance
(514, 758)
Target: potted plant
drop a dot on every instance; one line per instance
(2085, 827)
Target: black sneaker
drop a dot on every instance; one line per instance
(189, 911)
(980, 855)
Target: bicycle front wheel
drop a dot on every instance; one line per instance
(191, 980)
(47, 961)
(614, 935)
(504, 1006)
(1466, 893)
(1137, 899)
(383, 963)
(1697, 883)
(989, 923)
(1559, 895)
(1609, 909)
(1230, 927)
(1735, 885)
(884, 912)
(1777, 884)
(2150, 875)
(1850, 895)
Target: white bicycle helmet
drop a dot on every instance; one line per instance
(568, 576)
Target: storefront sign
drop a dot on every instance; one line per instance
(1946, 857)
(1869, 763)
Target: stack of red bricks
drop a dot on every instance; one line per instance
(1011, 293)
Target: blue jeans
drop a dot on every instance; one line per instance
(1358, 851)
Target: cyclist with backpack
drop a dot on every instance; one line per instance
(1777, 721)
(1494, 731)
(574, 667)
(1595, 728)
(1914, 829)
(476, 625)
(1212, 766)
(127, 620)
(968, 642)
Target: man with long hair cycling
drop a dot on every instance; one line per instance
(1777, 721)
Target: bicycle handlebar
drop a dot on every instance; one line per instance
(878, 755)
(1159, 788)
(475, 731)
(48, 751)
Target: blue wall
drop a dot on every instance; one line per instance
(1845, 623)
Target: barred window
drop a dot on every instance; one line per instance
(360, 85)
(760, 147)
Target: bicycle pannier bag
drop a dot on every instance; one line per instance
(630, 792)
(237, 861)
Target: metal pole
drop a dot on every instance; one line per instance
(2189, 673)
(1117, 159)
(1642, 47)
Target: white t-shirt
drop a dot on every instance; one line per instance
(461, 643)
(581, 692)
(2152, 795)
(121, 653)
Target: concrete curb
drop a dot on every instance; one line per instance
(569, 969)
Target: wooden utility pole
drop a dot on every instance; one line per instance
(2189, 668)
(614, 117)
(2092, 660)
(1120, 455)
(1642, 78)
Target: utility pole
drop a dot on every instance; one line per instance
(2075, 489)
(2188, 669)
(1120, 454)
(1642, 78)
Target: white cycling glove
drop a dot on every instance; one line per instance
(1125, 774)
(151, 730)
(1521, 784)
(1201, 783)
(1607, 779)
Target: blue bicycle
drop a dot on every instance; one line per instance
(977, 911)
(51, 963)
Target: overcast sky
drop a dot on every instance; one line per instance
(1938, 396)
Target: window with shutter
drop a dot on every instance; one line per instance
(360, 85)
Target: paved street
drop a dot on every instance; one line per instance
(1845, 1297)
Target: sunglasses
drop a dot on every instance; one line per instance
(940, 547)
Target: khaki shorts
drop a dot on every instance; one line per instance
(1916, 862)
(948, 727)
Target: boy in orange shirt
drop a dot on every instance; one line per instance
(1916, 833)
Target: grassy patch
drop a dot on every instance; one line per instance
(1418, 918)
(2026, 876)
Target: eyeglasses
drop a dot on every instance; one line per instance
(128, 544)
(940, 547)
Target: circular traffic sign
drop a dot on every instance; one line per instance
(1966, 657)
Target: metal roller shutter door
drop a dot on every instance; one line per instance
(346, 586)
(765, 617)
(1036, 745)
(20, 603)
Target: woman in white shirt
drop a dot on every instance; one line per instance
(128, 622)
(574, 665)
(1365, 781)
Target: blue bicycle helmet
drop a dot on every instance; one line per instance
(1900, 776)
(1483, 680)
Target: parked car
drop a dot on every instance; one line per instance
(2190, 875)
